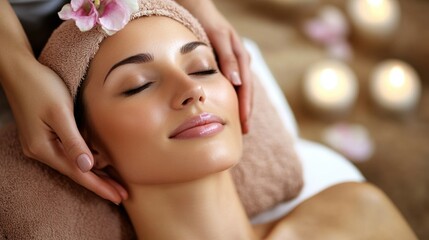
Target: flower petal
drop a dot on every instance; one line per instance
(85, 23)
(76, 4)
(114, 17)
(132, 5)
(66, 12)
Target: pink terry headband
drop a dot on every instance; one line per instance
(69, 51)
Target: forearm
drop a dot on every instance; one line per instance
(15, 49)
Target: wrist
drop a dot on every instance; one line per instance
(14, 67)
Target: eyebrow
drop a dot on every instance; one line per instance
(147, 57)
(138, 58)
(189, 47)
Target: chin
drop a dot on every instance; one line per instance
(188, 160)
(202, 162)
(211, 159)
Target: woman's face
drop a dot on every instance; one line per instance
(158, 110)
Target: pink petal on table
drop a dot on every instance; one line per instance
(328, 27)
(335, 19)
(322, 32)
(351, 140)
(340, 50)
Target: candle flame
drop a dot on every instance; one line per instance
(379, 11)
(328, 79)
(397, 77)
(375, 3)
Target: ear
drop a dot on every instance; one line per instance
(101, 159)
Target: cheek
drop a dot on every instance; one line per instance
(223, 95)
(223, 98)
(128, 133)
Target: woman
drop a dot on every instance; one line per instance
(168, 125)
(162, 120)
(41, 122)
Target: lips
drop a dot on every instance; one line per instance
(203, 125)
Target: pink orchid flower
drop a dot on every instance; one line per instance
(330, 29)
(112, 15)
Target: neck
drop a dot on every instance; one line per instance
(207, 208)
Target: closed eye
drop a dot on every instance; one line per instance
(138, 89)
(205, 72)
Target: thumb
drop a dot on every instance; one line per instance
(75, 149)
(73, 144)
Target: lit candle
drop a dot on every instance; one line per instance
(395, 86)
(376, 19)
(330, 86)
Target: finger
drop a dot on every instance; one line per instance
(75, 148)
(118, 187)
(54, 155)
(245, 92)
(104, 187)
(104, 174)
(227, 60)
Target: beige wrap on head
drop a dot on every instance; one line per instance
(69, 51)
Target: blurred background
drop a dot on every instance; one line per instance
(382, 122)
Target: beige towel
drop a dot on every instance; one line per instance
(36, 202)
(269, 171)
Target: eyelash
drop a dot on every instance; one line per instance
(206, 72)
(143, 87)
(138, 89)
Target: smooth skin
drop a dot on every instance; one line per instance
(179, 186)
(183, 185)
(43, 108)
(353, 211)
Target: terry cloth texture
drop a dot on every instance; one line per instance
(68, 46)
(37, 202)
(269, 171)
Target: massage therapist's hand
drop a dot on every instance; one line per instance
(43, 111)
(233, 58)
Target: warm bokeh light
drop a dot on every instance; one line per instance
(397, 77)
(395, 86)
(328, 80)
(330, 86)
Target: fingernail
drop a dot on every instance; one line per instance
(235, 78)
(84, 163)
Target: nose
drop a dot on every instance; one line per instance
(188, 92)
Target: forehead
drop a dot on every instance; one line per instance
(154, 34)
(147, 34)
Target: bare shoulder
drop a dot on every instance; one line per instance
(343, 211)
